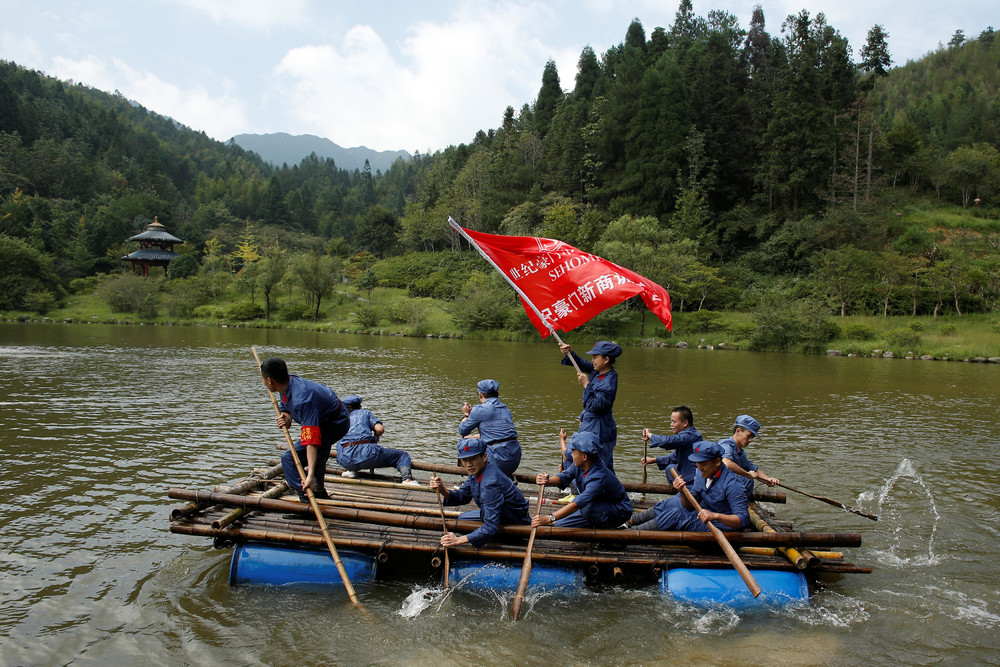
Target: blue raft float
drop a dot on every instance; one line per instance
(266, 565)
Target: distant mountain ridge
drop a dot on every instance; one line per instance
(282, 148)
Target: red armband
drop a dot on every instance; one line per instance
(310, 436)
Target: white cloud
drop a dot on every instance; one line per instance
(433, 91)
(20, 49)
(215, 114)
(256, 14)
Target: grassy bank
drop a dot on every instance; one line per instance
(392, 312)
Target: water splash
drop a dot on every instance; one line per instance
(421, 598)
(901, 506)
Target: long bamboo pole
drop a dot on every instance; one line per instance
(561, 557)
(522, 583)
(312, 500)
(274, 492)
(444, 526)
(760, 495)
(727, 548)
(648, 537)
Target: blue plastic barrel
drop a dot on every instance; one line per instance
(707, 586)
(262, 564)
(479, 576)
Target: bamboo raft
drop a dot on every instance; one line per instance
(400, 526)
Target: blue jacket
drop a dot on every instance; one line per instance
(725, 496)
(737, 455)
(602, 498)
(598, 402)
(498, 499)
(496, 428)
(366, 444)
(316, 408)
(683, 445)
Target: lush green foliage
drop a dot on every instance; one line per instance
(744, 171)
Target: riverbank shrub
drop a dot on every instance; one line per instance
(40, 301)
(781, 325)
(245, 311)
(367, 317)
(705, 321)
(129, 293)
(903, 339)
(292, 312)
(483, 303)
(858, 331)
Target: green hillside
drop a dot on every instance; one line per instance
(754, 173)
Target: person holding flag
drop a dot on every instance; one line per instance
(600, 386)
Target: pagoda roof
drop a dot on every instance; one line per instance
(151, 255)
(155, 231)
(156, 235)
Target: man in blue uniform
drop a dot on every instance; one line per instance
(682, 442)
(734, 454)
(359, 448)
(717, 489)
(321, 415)
(496, 427)
(500, 502)
(600, 386)
(601, 502)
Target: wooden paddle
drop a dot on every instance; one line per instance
(727, 548)
(312, 501)
(522, 584)
(444, 526)
(645, 453)
(830, 501)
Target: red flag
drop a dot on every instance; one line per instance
(564, 285)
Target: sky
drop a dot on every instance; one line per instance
(395, 75)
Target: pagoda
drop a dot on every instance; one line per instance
(156, 248)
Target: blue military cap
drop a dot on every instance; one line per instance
(353, 399)
(488, 386)
(706, 450)
(749, 423)
(606, 348)
(585, 442)
(470, 447)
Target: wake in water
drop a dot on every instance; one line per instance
(421, 598)
(907, 505)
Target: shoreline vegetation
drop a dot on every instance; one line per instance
(972, 337)
(788, 198)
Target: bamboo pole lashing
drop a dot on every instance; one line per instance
(548, 532)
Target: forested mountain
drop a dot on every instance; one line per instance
(280, 148)
(734, 166)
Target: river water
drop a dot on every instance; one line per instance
(99, 421)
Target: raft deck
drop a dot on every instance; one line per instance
(401, 527)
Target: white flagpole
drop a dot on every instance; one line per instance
(458, 228)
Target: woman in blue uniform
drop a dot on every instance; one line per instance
(601, 502)
(600, 386)
(499, 500)
(716, 488)
(496, 427)
(734, 454)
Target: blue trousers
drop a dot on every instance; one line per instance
(385, 458)
(292, 473)
(596, 515)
